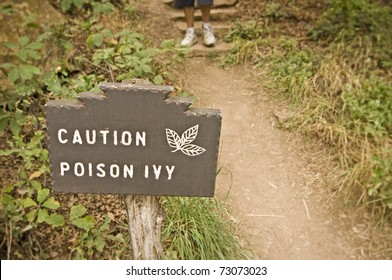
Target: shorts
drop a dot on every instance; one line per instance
(190, 3)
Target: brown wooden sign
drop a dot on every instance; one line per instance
(133, 139)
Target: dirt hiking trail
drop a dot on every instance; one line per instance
(270, 189)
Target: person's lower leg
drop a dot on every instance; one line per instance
(205, 13)
(189, 16)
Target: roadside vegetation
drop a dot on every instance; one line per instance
(336, 73)
(58, 62)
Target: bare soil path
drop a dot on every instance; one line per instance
(266, 180)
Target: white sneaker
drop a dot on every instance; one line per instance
(190, 38)
(208, 36)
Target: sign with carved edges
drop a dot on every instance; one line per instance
(133, 139)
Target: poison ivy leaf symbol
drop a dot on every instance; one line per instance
(183, 143)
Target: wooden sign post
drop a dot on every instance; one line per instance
(136, 141)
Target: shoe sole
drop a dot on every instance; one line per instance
(209, 45)
(190, 44)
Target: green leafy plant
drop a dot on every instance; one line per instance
(94, 238)
(244, 31)
(89, 239)
(25, 78)
(99, 36)
(40, 207)
(23, 213)
(103, 7)
(7, 10)
(66, 5)
(127, 55)
(98, 7)
(24, 50)
(274, 10)
(31, 152)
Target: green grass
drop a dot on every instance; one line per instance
(197, 229)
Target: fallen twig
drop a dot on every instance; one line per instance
(306, 208)
(262, 215)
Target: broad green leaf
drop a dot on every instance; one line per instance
(105, 8)
(94, 40)
(11, 45)
(7, 199)
(158, 80)
(55, 220)
(23, 40)
(30, 216)
(14, 74)
(79, 3)
(125, 50)
(65, 5)
(36, 185)
(90, 41)
(146, 68)
(19, 116)
(33, 54)
(4, 122)
(123, 76)
(79, 254)
(9, 188)
(42, 195)
(98, 39)
(7, 10)
(85, 223)
(105, 225)
(90, 242)
(26, 71)
(51, 203)
(119, 238)
(15, 127)
(28, 202)
(8, 152)
(7, 65)
(83, 237)
(42, 215)
(99, 243)
(77, 211)
(35, 45)
(22, 54)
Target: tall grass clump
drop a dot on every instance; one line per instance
(248, 42)
(357, 76)
(340, 83)
(196, 229)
